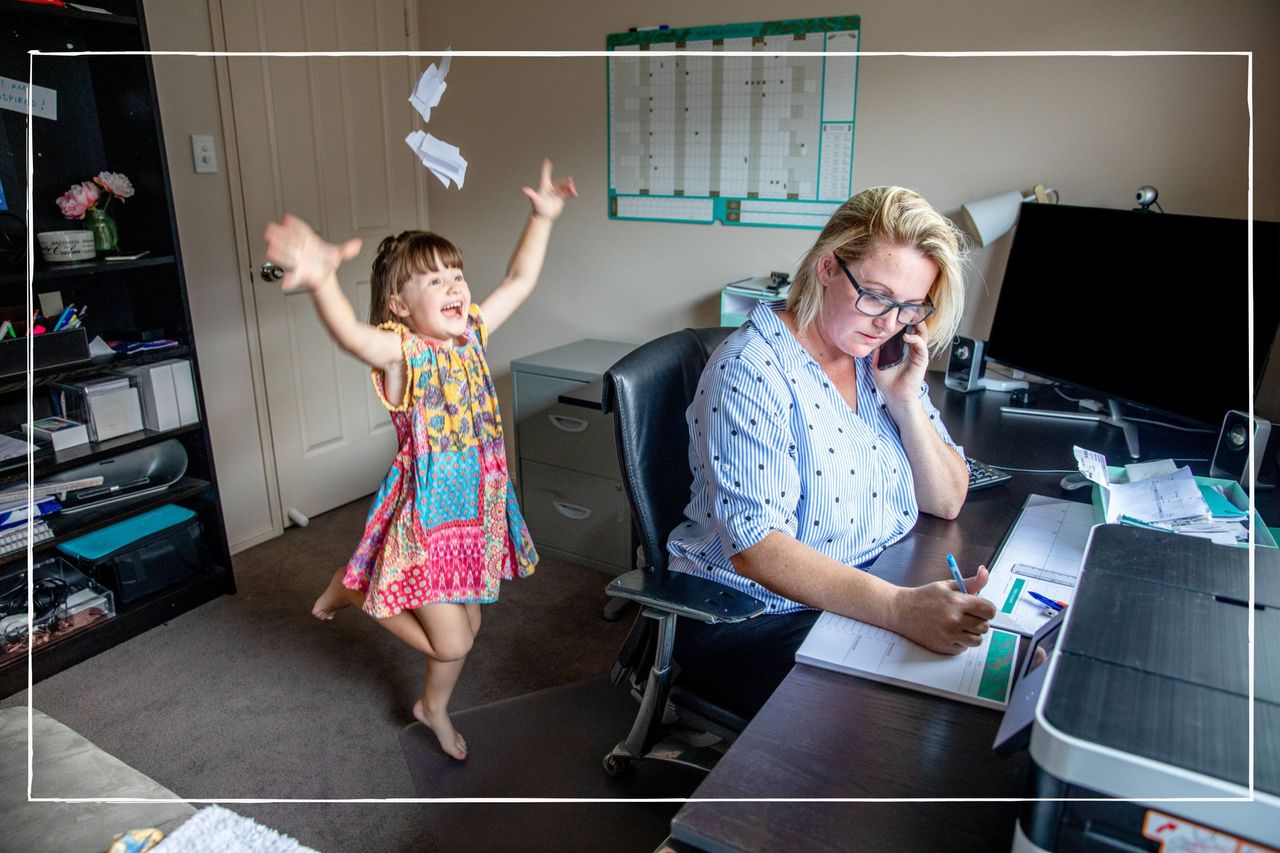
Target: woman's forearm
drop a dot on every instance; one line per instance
(794, 570)
(940, 474)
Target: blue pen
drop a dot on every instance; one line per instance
(955, 573)
(1130, 521)
(1046, 601)
(67, 314)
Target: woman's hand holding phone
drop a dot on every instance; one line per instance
(900, 364)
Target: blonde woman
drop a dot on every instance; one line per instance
(814, 447)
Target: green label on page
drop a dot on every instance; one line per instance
(997, 672)
(1012, 598)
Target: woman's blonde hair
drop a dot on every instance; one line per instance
(891, 216)
(401, 256)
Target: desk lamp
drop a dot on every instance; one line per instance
(990, 218)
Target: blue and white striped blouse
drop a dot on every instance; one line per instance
(773, 446)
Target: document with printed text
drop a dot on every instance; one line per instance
(981, 675)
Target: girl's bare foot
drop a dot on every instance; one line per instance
(334, 598)
(450, 741)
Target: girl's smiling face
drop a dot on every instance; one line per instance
(434, 304)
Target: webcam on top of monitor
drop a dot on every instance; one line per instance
(1146, 197)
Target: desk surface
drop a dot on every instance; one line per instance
(827, 735)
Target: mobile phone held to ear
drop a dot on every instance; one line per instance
(893, 351)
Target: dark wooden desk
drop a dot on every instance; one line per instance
(823, 735)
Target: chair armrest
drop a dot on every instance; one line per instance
(685, 595)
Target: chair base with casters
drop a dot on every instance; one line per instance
(648, 391)
(673, 725)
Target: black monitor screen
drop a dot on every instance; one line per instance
(1150, 308)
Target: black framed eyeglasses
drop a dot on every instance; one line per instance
(875, 305)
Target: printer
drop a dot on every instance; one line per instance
(1140, 738)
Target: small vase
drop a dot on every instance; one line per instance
(105, 236)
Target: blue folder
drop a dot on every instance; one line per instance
(99, 543)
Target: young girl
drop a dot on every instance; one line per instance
(444, 528)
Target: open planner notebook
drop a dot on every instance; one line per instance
(981, 675)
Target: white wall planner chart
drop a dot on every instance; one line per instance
(762, 140)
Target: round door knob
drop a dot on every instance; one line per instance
(271, 272)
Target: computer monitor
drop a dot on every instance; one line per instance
(1141, 307)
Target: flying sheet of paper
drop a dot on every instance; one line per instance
(431, 86)
(444, 160)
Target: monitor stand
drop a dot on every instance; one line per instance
(1115, 418)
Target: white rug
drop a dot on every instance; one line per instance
(217, 830)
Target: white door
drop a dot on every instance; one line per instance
(322, 138)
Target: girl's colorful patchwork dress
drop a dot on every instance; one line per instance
(444, 526)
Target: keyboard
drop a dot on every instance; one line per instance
(15, 539)
(983, 476)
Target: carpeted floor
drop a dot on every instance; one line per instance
(249, 696)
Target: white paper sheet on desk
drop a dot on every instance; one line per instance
(444, 160)
(981, 675)
(1042, 553)
(426, 95)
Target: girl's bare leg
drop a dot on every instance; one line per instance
(449, 632)
(473, 616)
(335, 597)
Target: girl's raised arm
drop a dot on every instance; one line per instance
(531, 249)
(312, 264)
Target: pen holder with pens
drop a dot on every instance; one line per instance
(51, 349)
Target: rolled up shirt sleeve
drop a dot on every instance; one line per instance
(744, 442)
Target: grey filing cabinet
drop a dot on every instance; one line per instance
(570, 489)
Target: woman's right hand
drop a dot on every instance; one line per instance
(940, 617)
(308, 260)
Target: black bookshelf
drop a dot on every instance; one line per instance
(107, 120)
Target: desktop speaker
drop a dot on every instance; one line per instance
(964, 368)
(1231, 456)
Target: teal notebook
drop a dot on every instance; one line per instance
(99, 543)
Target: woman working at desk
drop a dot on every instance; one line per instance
(808, 461)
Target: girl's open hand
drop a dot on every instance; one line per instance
(548, 198)
(308, 260)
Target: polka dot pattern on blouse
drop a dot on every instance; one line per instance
(791, 456)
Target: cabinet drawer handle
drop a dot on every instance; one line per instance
(568, 424)
(577, 513)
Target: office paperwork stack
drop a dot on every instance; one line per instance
(1161, 496)
(981, 675)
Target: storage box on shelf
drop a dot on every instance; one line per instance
(66, 602)
(570, 488)
(106, 120)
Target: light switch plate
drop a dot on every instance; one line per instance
(203, 153)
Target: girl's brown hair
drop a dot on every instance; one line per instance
(891, 216)
(401, 256)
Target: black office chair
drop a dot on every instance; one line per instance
(648, 392)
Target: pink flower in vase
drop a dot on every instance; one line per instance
(116, 184)
(79, 199)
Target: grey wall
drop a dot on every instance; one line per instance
(956, 129)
